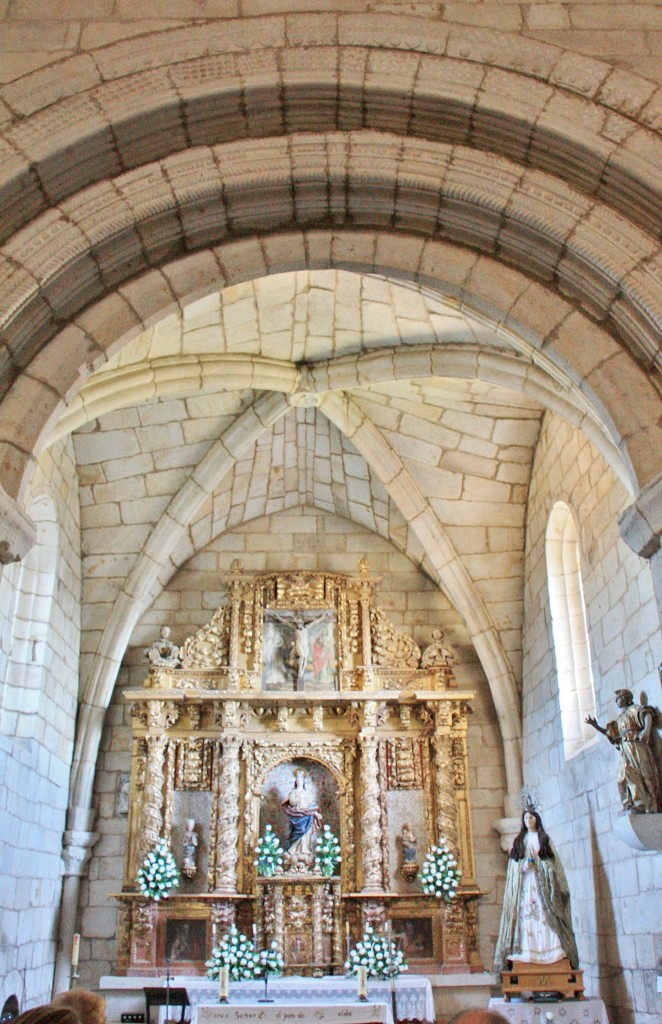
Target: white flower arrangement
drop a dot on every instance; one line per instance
(379, 955)
(270, 961)
(158, 873)
(269, 859)
(440, 874)
(237, 953)
(327, 852)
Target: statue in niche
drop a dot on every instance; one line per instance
(536, 923)
(190, 851)
(163, 652)
(305, 821)
(638, 775)
(408, 841)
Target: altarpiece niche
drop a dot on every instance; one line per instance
(299, 705)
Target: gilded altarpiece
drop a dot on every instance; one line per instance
(299, 693)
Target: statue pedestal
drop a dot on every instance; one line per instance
(640, 831)
(558, 977)
(302, 913)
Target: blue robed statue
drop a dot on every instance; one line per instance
(305, 822)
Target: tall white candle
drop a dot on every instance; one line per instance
(75, 950)
(362, 982)
(223, 982)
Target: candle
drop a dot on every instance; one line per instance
(362, 982)
(213, 934)
(254, 936)
(223, 982)
(75, 950)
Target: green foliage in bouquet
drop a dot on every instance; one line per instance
(440, 874)
(327, 853)
(236, 952)
(269, 859)
(270, 961)
(376, 952)
(158, 873)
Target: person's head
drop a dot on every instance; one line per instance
(300, 778)
(190, 824)
(49, 1013)
(89, 1007)
(165, 632)
(624, 698)
(477, 1017)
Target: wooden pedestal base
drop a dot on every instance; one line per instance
(558, 977)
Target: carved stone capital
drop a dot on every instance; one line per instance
(17, 531)
(641, 523)
(77, 848)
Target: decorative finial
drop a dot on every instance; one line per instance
(363, 566)
(236, 567)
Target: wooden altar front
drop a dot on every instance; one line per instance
(299, 673)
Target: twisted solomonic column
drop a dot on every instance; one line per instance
(228, 817)
(371, 833)
(152, 805)
(445, 791)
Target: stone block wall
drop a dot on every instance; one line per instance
(38, 703)
(307, 539)
(616, 893)
(34, 35)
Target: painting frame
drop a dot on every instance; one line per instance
(300, 650)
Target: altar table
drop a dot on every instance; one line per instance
(413, 993)
(293, 1013)
(566, 1011)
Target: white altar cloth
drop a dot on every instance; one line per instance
(293, 1013)
(413, 993)
(565, 1011)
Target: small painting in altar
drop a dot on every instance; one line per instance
(185, 940)
(416, 937)
(300, 650)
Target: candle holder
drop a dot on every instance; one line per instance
(73, 978)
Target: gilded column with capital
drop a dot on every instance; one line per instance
(160, 716)
(446, 817)
(227, 830)
(371, 837)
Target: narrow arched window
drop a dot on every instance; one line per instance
(570, 630)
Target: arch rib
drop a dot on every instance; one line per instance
(451, 574)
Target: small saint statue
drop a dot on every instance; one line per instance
(190, 851)
(437, 654)
(408, 842)
(163, 653)
(638, 778)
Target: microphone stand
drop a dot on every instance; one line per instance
(167, 960)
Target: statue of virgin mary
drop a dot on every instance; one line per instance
(536, 925)
(305, 822)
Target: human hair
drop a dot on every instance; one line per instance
(48, 1014)
(518, 851)
(89, 1006)
(477, 1017)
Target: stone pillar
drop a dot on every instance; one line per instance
(228, 818)
(371, 837)
(78, 845)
